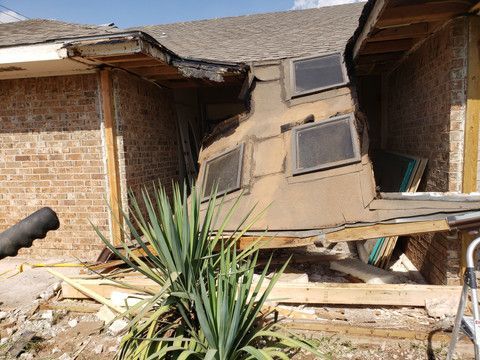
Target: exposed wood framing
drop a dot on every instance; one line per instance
(403, 32)
(385, 230)
(418, 13)
(111, 150)
(470, 158)
(312, 293)
(382, 47)
(377, 10)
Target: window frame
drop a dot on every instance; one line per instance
(291, 63)
(238, 184)
(353, 135)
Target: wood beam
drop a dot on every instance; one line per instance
(140, 63)
(122, 58)
(375, 332)
(311, 293)
(385, 230)
(401, 32)
(472, 120)
(157, 70)
(111, 150)
(382, 47)
(426, 12)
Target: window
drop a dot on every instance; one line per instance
(224, 171)
(325, 144)
(317, 73)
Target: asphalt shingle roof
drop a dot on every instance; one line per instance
(263, 36)
(234, 39)
(41, 31)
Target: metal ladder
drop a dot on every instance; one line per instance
(469, 325)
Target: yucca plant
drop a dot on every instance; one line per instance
(209, 305)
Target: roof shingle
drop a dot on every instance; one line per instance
(37, 31)
(263, 36)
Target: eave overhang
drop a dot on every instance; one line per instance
(135, 52)
(390, 29)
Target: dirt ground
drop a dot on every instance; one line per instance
(35, 323)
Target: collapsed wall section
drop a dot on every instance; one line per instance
(51, 155)
(426, 117)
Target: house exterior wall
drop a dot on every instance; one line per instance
(51, 155)
(147, 135)
(426, 116)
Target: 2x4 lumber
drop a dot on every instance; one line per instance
(401, 32)
(385, 230)
(381, 47)
(345, 329)
(426, 12)
(312, 293)
(470, 157)
(157, 70)
(113, 172)
(122, 58)
(140, 63)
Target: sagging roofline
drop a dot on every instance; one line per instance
(92, 52)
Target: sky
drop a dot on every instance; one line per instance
(128, 13)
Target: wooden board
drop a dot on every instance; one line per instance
(470, 159)
(111, 150)
(312, 293)
(383, 230)
(346, 329)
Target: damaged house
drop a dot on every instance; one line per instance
(307, 112)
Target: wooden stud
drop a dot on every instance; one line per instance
(472, 119)
(122, 58)
(112, 155)
(401, 32)
(381, 47)
(385, 230)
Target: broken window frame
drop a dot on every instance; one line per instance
(292, 78)
(354, 139)
(238, 184)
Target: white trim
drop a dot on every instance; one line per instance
(30, 53)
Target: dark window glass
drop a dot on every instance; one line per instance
(324, 144)
(318, 73)
(224, 171)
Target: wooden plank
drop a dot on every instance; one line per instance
(401, 32)
(347, 329)
(382, 47)
(276, 242)
(104, 287)
(384, 230)
(312, 293)
(122, 58)
(111, 150)
(470, 158)
(140, 63)
(426, 12)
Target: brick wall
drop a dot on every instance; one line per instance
(146, 119)
(426, 116)
(51, 155)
